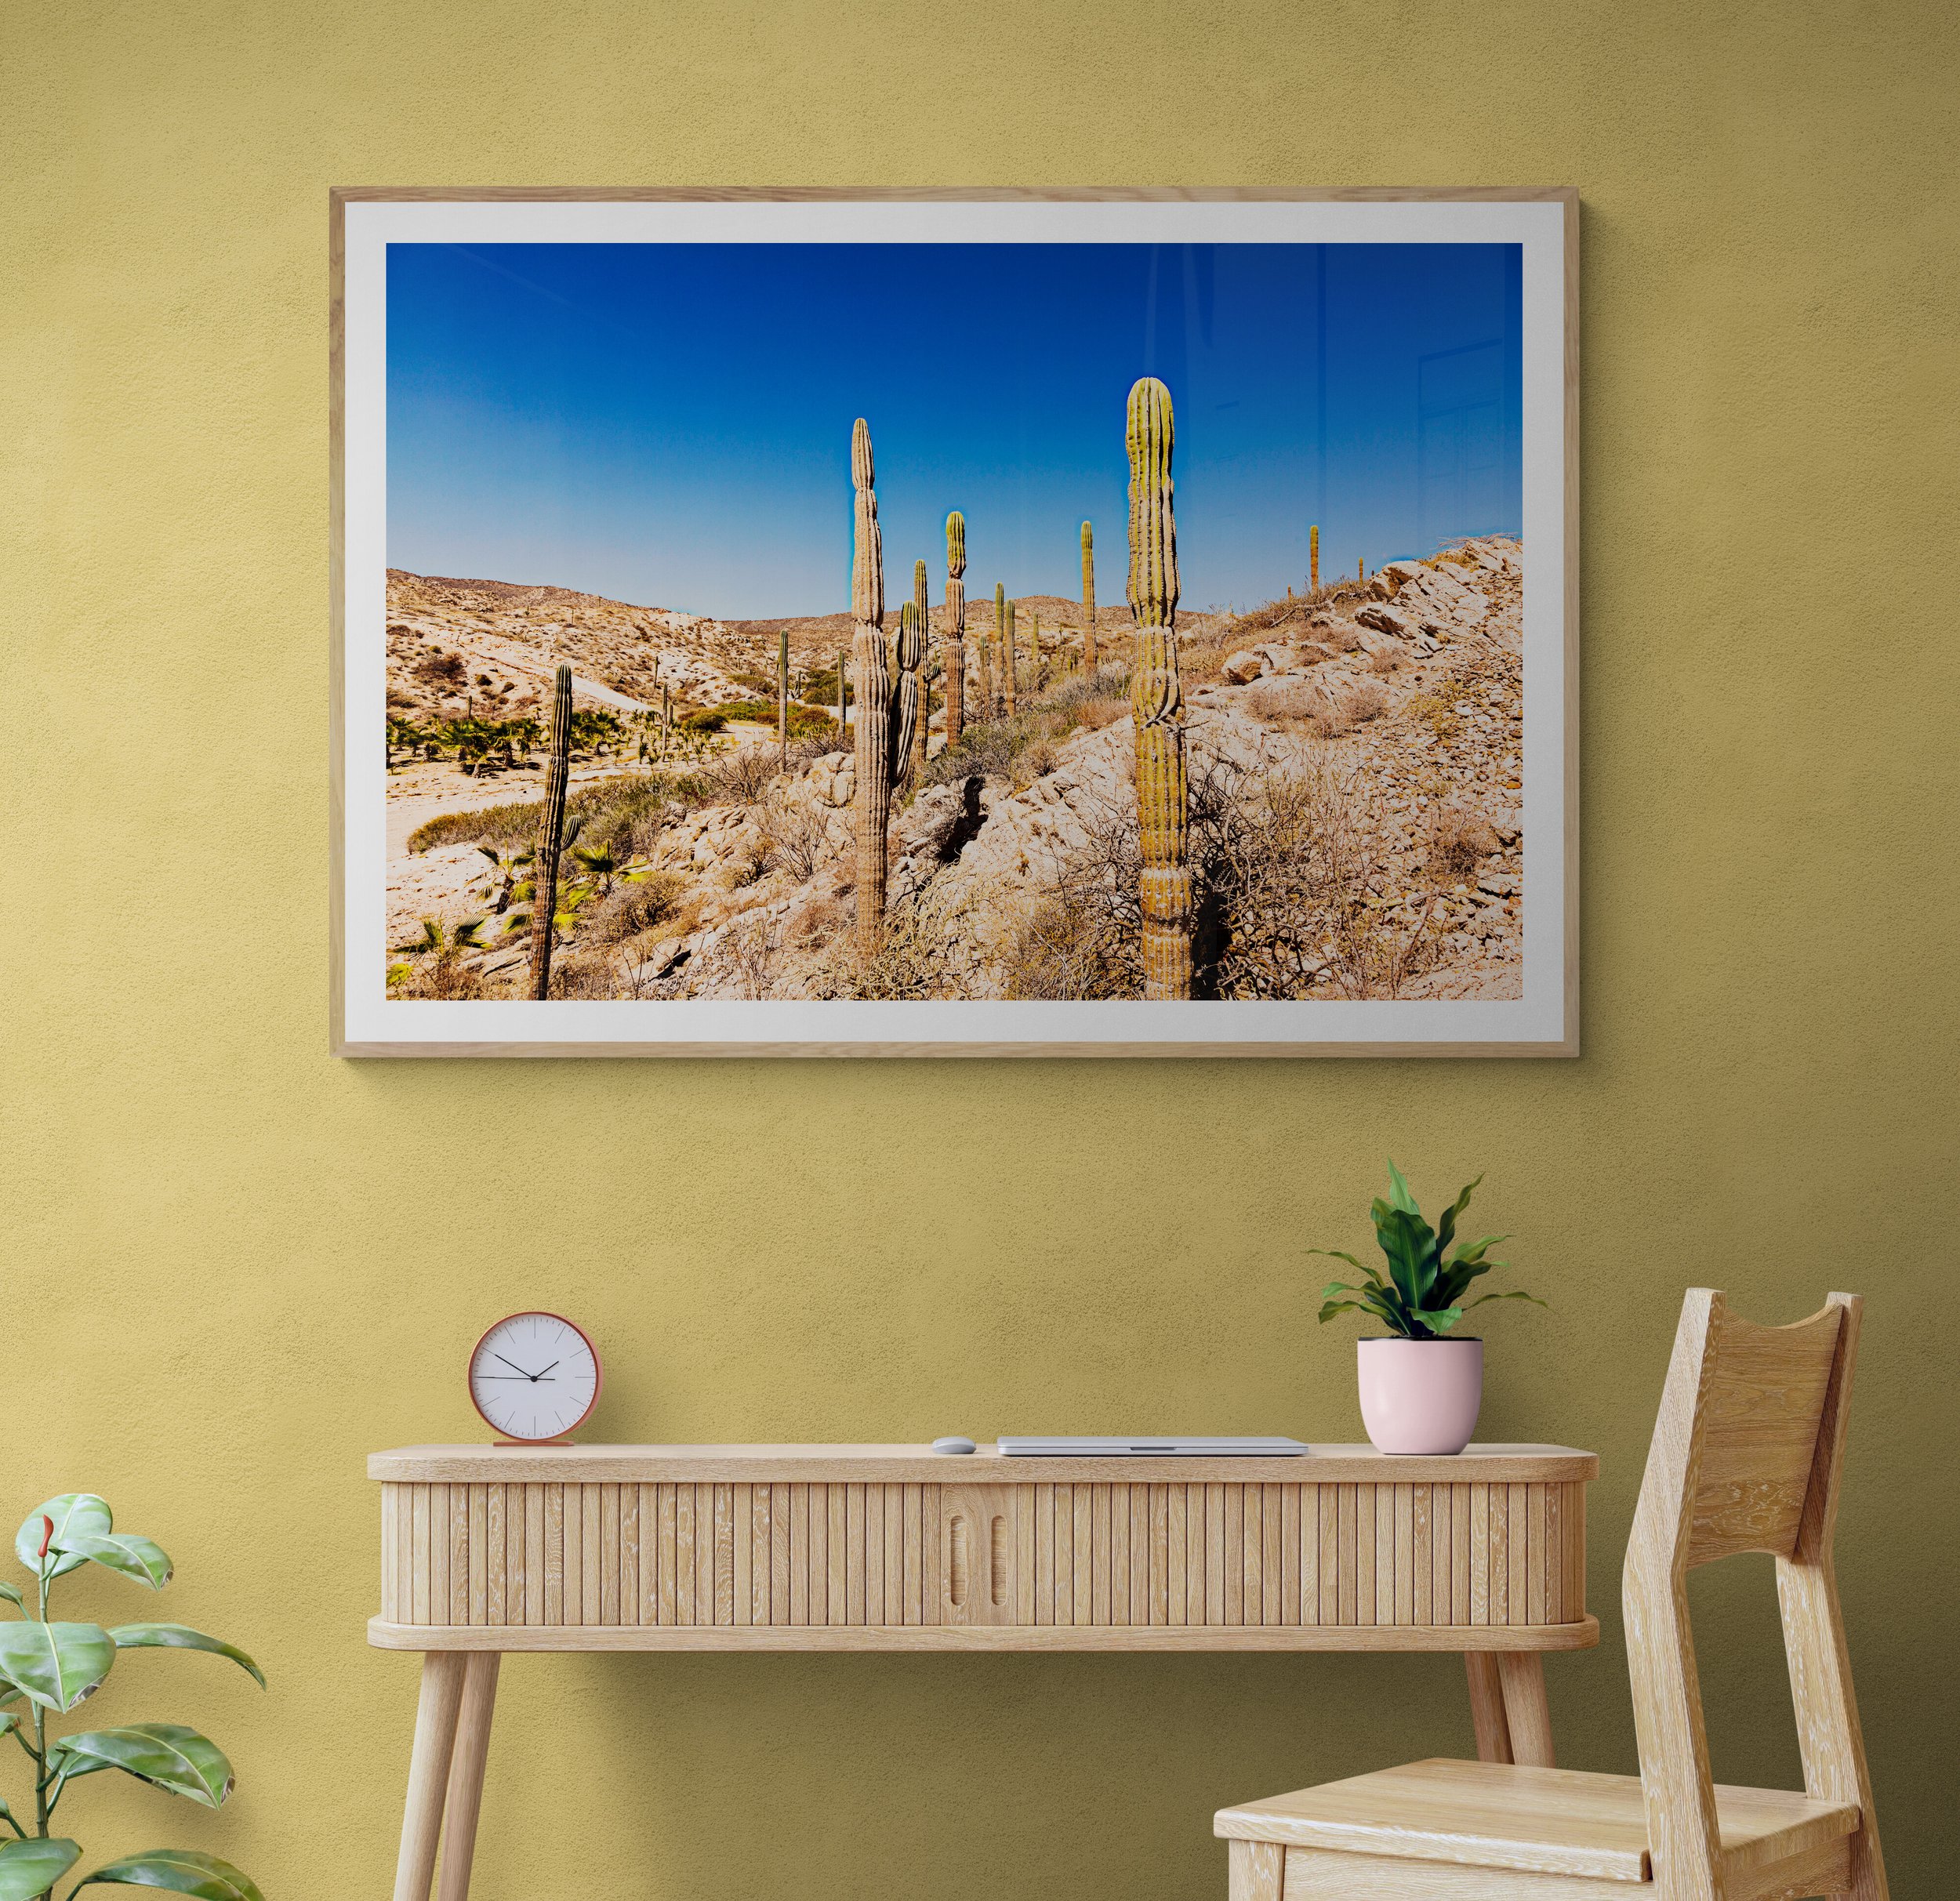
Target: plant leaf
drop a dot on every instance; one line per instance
(128, 1554)
(1406, 1239)
(31, 1868)
(165, 1755)
(1399, 1196)
(73, 1511)
(1440, 1319)
(8, 1592)
(55, 1665)
(1516, 1293)
(181, 1636)
(1446, 1228)
(183, 1871)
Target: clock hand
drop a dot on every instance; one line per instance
(513, 1364)
(539, 1376)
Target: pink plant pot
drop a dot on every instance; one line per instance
(1420, 1396)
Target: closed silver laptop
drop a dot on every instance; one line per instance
(1174, 1445)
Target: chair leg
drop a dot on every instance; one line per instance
(428, 1772)
(1258, 1870)
(1527, 1714)
(1486, 1707)
(465, 1774)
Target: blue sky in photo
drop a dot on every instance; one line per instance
(671, 424)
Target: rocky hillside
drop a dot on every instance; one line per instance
(1356, 762)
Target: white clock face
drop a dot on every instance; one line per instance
(534, 1376)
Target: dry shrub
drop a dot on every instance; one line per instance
(1036, 762)
(1285, 700)
(1385, 659)
(1331, 721)
(909, 967)
(1367, 702)
(1342, 635)
(1457, 839)
(743, 959)
(1291, 898)
(812, 926)
(742, 777)
(796, 837)
(632, 906)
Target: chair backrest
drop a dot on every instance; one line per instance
(1746, 1457)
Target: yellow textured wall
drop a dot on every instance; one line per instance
(233, 1266)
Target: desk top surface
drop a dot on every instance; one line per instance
(598, 1464)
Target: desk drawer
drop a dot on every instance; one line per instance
(1167, 1554)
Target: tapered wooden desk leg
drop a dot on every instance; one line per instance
(1258, 1870)
(1527, 1714)
(429, 1771)
(1486, 1707)
(465, 1774)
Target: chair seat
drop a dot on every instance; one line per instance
(1493, 1815)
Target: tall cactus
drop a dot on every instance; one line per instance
(989, 704)
(782, 698)
(953, 647)
(1156, 698)
(844, 707)
(544, 869)
(1361, 570)
(1313, 557)
(915, 755)
(1088, 598)
(871, 665)
(1006, 658)
(908, 691)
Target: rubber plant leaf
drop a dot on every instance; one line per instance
(165, 1755)
(128, 1555)
(55, 1665)
(180, 1637)
(75, 1512)
(178, 1871)
(31, 1868)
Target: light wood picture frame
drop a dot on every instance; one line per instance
(1395, 758)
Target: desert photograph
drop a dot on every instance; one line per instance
(1069, 623)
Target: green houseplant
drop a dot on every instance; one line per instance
(1421, 1388)
(47, 1669)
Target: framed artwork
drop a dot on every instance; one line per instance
(955, 623)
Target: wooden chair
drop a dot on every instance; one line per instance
(1746, 1457)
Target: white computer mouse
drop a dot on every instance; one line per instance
(953, 1442)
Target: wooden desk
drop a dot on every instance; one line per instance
(488, 1549)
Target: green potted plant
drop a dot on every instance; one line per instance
(47, 1669)
(1421, 1384)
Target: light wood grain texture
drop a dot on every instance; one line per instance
(1319, 1874)
(1544, 1820)
(1747, 1456)
(1828, 1734)
(463, 1801)
(428, 1773)
(1258, 1870)
(1487, 1719)
(1338, 1464)
(1526, 1715)
(1405, 1637)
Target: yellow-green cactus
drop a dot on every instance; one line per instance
(953, 643)
(1156, 698)
(1313, 557)
(907, 690)
(1007, 660)
(915, 761)
(869, 661)
(1088, 600)
(989, 706)
(544, 869)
